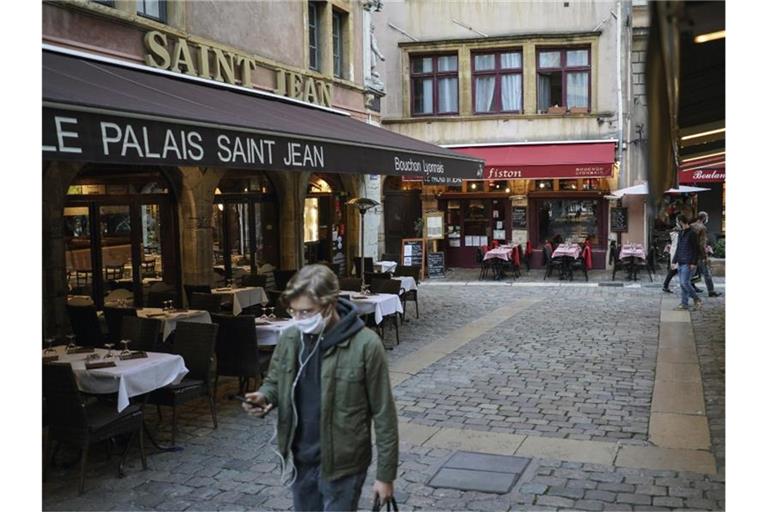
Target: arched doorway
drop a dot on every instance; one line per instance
(402, 210)
(244, 221)
(325, 222)
(120, 230)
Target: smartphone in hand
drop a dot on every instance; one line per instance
(254, 405)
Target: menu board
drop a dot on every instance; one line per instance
(619, 220)
(434, 222)
(436, 264)
(413, 251)
(520, 216)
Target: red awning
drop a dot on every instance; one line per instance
(704, 170)
(545, 161)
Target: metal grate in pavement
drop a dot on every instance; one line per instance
(470, 471)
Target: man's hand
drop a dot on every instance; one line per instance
(260, 406)
(385, 490)
(693, 267)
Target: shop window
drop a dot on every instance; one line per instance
(499, 186)
(565, 220)
(569, 184)
(543, 184)
(497, 82)
(339, 24)
(311, 220)
(435, 84)
(153, 9)
(590, 184)
(313, 27)
(562, 80)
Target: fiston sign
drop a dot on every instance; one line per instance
(105, 138)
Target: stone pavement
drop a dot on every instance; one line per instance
(564, 375)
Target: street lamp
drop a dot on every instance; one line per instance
(363, 204)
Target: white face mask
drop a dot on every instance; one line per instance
(312, 325)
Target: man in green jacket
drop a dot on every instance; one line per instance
(328, 379)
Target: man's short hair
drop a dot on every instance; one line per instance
(703, 217)
(317, 282)
(682, 219)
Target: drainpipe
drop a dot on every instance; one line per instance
(620, 103)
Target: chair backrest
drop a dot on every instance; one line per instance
(112, 272)
(370, 276)
(148, 268)
(63, 403)
(547, 251)
(114, 318)
(210, 302)
(196, 343)
(85, 325)
(236, 346)
(156, 299)
(367, 264)
(189, 289)
(390, 257)
(386, 286)
(144, 333)
(350, 284)
(254, 280)
(282, 277)
(413, 271)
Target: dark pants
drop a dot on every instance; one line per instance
(672, 272)
(312, 492)
(704, 271)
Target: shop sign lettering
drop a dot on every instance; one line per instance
(197, 59)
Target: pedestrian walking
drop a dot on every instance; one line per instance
(700, 228)
(687, 257)
(672, 271)
(328, 379)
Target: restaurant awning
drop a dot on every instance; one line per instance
(703, 170)
(545, 161)
(105, 111)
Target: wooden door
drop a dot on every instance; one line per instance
(401, 210)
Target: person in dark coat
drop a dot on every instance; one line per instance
(687, 258)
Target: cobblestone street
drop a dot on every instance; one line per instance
(561, 374)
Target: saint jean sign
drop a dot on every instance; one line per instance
(114, 138)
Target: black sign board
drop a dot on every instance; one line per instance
(619, 220)
(436, 264)
(519, 217)
(413, 252)
(120, 138)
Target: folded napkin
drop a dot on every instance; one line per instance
(81, 350)
(139, 354)
(50, 359)
(100, 364)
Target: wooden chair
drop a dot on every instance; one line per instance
(113, 272)
(196, 343)
(149, 268)
(237, 350)
(73, 420)
(350, 284)
(370, 276)
(413, 271)
(144, 333)
(394, 287)
(85, 325)
(114, 318)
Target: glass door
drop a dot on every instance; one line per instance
(116, 250)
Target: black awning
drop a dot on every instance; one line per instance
(98, 111)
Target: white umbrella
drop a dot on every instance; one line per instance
(642, 190)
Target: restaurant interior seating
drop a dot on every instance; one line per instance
(144, 333)
(196, 343)
(149, 268)
(156, 299)
(282, 277)
(114, 318)
(413, 271)
(392, 286)
(209, 302)
(368, 264)
(82, 423)
(350, 284)
(254, 280)
(550, 263)
(85, 325)
(117, 294)
(370, 276)
(274, 301)
(189, 289)
(114, 272)
(237, 351)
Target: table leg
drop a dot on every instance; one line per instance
(149, 435)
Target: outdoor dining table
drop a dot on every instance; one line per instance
(497, 255)
(128, 378)
(632, 254)
(407, 283)
(269, 330)
(385, 266)
(169, 318)
(243, 297)
(568, 253)
(380, 304)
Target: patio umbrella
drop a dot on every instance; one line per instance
(642, 190)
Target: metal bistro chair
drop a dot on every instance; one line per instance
(196, 343)
(367, 266)
(549, 262)
(189, 289)
(394, 287)
(350, 284)
(210, 302)
(144, 333)
(370, 276)
(85, 325)
(73, 420)
(237, 350)
(413, 271)
(485, 265)
(114, 318)
(613, 257)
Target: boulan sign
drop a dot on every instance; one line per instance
(105, 138)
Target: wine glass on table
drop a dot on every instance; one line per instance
(125, 343)
(271, 310)
(109, 345)
(70, 341)
(49, 345)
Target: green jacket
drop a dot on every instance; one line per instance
(355, 390)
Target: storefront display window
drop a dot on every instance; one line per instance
(569, 184)
(572, 220)
(544, 185)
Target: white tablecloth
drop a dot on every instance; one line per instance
(407, 283)
(502, 254)
(385, 266)
(243, 297)
(128, 378)
(562, 250)
(381, 304)
(269, 334)
(169, 319)
(628, 251)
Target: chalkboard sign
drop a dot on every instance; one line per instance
(619, 220)
(413, 252)
(436, 264)
(519, 216)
